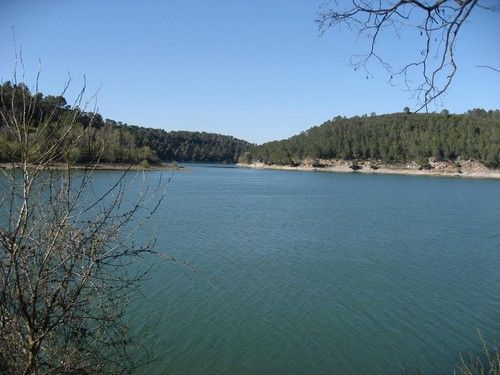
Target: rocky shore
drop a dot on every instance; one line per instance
(465, 168)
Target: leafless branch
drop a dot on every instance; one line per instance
(438, 22)
(488, 67)
(66, 246)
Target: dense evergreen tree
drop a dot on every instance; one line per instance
(392, 138)
(94, 139)
(189, 146)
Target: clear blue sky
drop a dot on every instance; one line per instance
(257, 70)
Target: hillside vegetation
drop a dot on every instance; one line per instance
(392, 139)
(189, 146)
(91, 138)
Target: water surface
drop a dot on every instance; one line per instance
(293, 272)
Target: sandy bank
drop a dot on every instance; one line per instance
(467, 168)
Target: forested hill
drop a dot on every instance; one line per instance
(392, 138)
(187, 145)
(89, 138)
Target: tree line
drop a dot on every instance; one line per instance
(391, 138)
(188, 146)
(93, 139)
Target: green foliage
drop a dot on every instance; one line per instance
(144, 164)
(393, 138)
(246, 157)
(423, 163)
(188, 146)
(93, 139)
(317, 164)
(355, 165)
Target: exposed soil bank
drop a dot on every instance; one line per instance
(465, 168)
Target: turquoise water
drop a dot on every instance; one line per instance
(292, 272)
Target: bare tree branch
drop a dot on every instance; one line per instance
(66, 246)
(488, 67)
(438, 22)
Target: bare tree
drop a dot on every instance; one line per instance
(437, 22)
(66, 247)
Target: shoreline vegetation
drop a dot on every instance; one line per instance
(466, 169)
(104, 167)
(86, 138)
(431, 144)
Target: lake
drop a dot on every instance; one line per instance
(312, 273)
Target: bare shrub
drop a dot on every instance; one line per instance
(66, 246)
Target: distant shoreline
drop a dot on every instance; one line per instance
(466, 169)
(105, 167)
